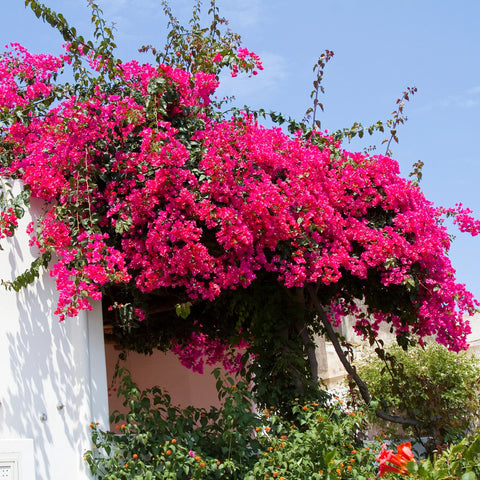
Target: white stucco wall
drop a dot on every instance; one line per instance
(45, 364)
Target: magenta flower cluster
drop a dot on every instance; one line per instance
(243, 55)
(202, 349)
(8, 223)
(25, 77)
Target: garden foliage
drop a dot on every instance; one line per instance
(156, 440)
(437, 387)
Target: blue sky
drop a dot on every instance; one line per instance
(381, 47)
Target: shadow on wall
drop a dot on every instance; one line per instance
(45, 371)
(44, 366)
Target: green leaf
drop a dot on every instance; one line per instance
(329, 457)
(474, 448)
(156, 85)
(183, 309)
(412, 467)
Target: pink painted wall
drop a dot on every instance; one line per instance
(165, 370)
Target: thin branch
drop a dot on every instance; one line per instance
(398, 118)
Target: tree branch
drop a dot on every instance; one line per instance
(310, 349)
(350, 369)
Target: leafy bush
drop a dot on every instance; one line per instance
(156, 440)
(460, 461)
(437, 387)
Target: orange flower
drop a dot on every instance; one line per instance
(218, 462)
(126, 465)
(349, 467)
(399, 460)
(198, 458)
(134, 455)
(122, 427)
(202, 464)
(168, 452)
(173, 440)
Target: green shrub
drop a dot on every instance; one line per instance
(156, 440)
(324, 443)
(437, 387)
(461, 461)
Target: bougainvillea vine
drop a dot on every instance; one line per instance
(148, 187)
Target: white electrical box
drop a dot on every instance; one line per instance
(16, 459)
(9, 466)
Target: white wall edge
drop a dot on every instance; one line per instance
(97, 365)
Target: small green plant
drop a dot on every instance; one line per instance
(433, 385)
(157, 440)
